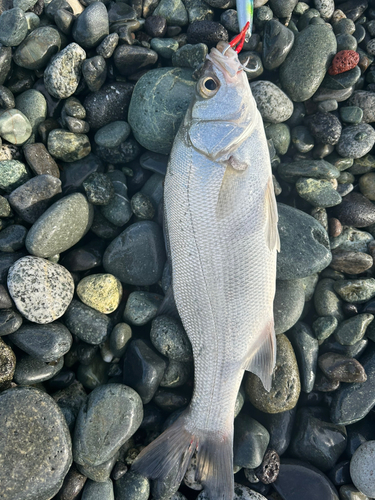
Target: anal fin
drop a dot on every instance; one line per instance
(263, 360)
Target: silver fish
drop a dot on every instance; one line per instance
(221, 218)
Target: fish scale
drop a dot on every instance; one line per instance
(221, 223)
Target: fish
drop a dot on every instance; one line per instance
(221, 224)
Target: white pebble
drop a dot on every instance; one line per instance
(362, 469)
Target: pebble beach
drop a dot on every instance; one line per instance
(91, 97)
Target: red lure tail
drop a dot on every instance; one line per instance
(240, 39)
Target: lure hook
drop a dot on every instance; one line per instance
(240, 39)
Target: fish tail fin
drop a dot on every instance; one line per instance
(169, 456)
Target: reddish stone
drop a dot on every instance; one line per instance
(343, 61)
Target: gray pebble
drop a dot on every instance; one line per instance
(170, 339)
(142, 307)
(86, 323)
(274, 105)
(356, 140)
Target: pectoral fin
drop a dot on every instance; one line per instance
(263, 360)
(272, 233)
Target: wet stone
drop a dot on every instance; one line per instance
(98, 491)
(173, 11)
(98, 473)
(250, 442)
(142, 307)
(94, 71)
(169, 91)
(277, 43)
(33, 418)
(143, 369)
(118, 210)
(324, 326)
(44, 342)
(190, 56)
(341, 369)
(91, 26)
(156, 26)
(99, 188)
(132, 486)
(108, 104)
(102, 292)
(31, 371)
(62, 75)
(67, 146)
(60, 227)
(288, 304)
(94, 420)
(273, 104)
(170, 339)
(86, 323)
(119, 339)
(176, 374)
(108, 45)
(316, 441)
(318, 192)
(137, 256)
(13, 27)
(165, 47)
(356, 291)
(304, 244)
(41, 290)
(32, 199)
(351, 262)
(316, 169)
(34, 106)
(285, 387)
(113, 134)
(305, 346)
(92, 375)
(142, 206)
(129, 59)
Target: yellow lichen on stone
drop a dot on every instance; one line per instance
(102, 292)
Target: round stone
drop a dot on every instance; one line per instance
(137, 255)
(273, 104)
(142, 206)
(356, 140)
(36, 429)
(142, 307)
(86, 323)
(190, 56)
(351, 262)
(318, 192)
(91, 26)
(129, 59)
(355, 210)
(367, 185)
(288, 304)
(325, 127)
(366, 101)
(158, 105)
(169, 338)
(10, 320)
(165, 47)
(108, 45)
(286, 386)
(362, 469)
(98, 491)
(119, 338)
(250, 442)
(113, 134)
(280, 135)
(132, 486)
(155, 26)
(13, 27)
(102, 292)
(7, 362)
(45, 342)
(60, 227)
(30, 371)
(14, 127)
(34, 106)
(41, 290)
(99, 188)
(306, 64)
(113, 412)
(277, 43)
(62, 75)
(356, 291)
(67, 146)
(173, 11)
(13, 174)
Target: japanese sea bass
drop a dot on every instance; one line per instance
(221, 218)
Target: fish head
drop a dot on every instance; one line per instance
(223, 111)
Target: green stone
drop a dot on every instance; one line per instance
(119, 338)
(67, 146)
(170, 339)
(367, 185)
(250, 442)
(113, 134)
(102, 292)
(60, 227)
(99, 188)
(339, 162)
(286, 386)
(306, 347)
(351, 240)
(324, 326)
(13, 174)
(351, 114)
(132, 486)
(355, 291)
(99, 473)
(13, 27)
(5, 210)
(346, 42)
(363, 165)
(342, 80)
(38, 48)
(94, 374)
(353, 329)
(165, 47)
(326, 301)
(33, 105)
(306, 64)
(280, 135)
(173, 11)
(190, 56)
(346, 178)
(142, 307)
(309, 284)
(142, 206)
(317, 169)
(14, 126)
(318, 192)
(159, 102)
(302, 140)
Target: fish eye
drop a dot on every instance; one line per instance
(208, 86)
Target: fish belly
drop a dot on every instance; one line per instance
(222, 270)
